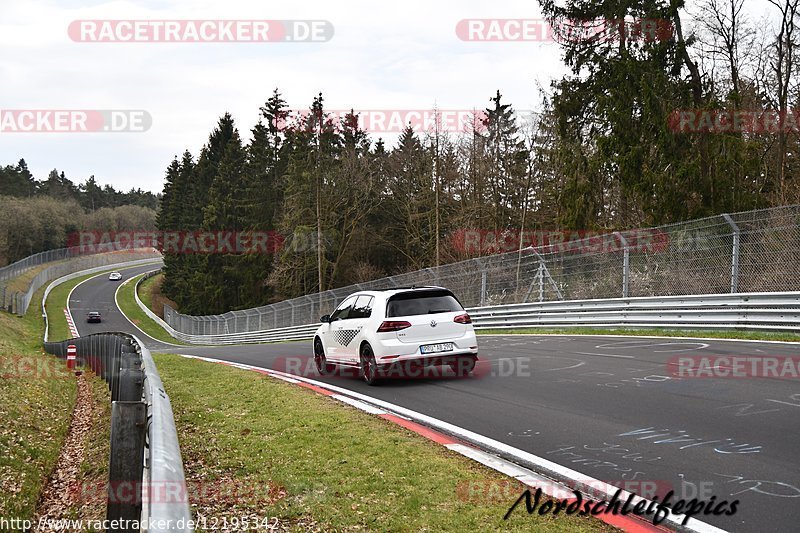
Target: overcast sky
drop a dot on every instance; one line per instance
(383, 55)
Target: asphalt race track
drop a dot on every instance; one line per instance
(604, 406)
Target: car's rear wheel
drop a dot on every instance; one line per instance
(323, 367)
(463, 366)
(369, 369)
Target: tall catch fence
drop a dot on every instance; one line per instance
(14, 270)
(754, 251)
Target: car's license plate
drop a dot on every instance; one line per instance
(434, 348)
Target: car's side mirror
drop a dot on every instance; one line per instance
(325, 319)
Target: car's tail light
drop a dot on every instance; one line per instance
(463, 319)
(393, 325)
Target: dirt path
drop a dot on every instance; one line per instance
(58, 494)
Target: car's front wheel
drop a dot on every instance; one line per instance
(369, 369)
(323, 367)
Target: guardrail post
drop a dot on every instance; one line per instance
(131, 378)
(626, 264)
(128, 428)
(734, 253)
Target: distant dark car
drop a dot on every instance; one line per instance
(93, 316)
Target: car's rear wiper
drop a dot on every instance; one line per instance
(433, 311)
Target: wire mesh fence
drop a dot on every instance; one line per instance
(15, 269)
(753, 251)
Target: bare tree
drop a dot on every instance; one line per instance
(728, 37)
(782, 66)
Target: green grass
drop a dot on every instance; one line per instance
(146, 290)
(322, 465)
(23, 282)
(713, 334)
(127, 303)
(35, 409)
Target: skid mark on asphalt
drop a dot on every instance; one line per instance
(607, 355)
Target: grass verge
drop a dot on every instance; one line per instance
(321, 465)
(129, 307)
(147, 289)
(36, 402)
(151, 295)
(711, 334)
(35, 408)
(23, 282)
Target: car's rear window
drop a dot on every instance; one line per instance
(422, 303)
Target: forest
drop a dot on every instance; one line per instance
(605, 152)
(70, 208)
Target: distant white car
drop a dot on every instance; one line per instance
(115, 276)
(375, 331)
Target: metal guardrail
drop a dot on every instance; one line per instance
(770, 311)
(145, 456)
(749, 311)
(273, 335)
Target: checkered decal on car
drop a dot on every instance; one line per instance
(345, 336)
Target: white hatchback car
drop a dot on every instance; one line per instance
(378, 331)
(115, 276)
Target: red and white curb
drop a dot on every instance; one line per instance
(473, 446)
(71, 324)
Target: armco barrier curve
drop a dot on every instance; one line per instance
(145, 455)
(771, 311)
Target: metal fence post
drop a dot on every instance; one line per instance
(626, 264)
(540, 275)
(484, 274)
(734, 253)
